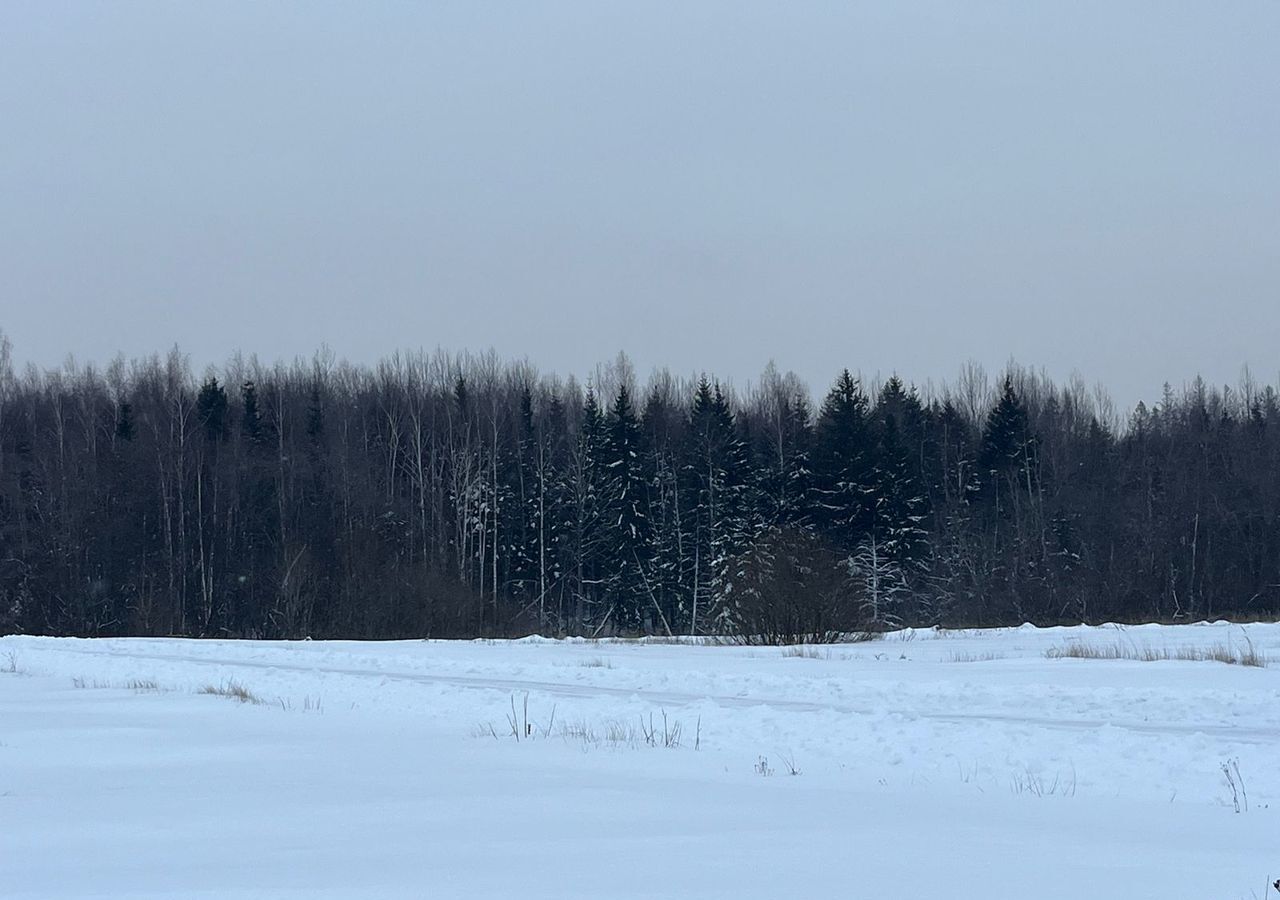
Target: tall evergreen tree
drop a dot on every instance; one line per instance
(721, 504)
(315, 418)
(1008, 444)
(211, 408)
(589, 492)
(669, 519)
(626, 525)
(1018, 544)
(554, 516)
(124, 421)
(900, 502)
(844, 465)
(901, 498)
(250, 415)
(521, 515)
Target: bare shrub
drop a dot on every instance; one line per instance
(791, 587)
(861, 637)
(453, 610)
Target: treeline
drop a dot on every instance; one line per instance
(439, 495)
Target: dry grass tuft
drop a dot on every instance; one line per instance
(138, 685)
(804, 651)
(1223, 653)
(623, 733)
(233, 690)
(961, 656)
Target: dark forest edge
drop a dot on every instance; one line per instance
(437, 495)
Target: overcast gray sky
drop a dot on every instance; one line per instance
(896, 186)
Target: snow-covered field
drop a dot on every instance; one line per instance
(931, 764)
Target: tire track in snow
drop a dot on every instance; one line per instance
(669, 698)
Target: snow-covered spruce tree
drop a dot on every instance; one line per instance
(718, 475)
(1082, 573)
(211, 412)
(897, 545)
(901, 501)
(625, 525)
(250, 415)
(257, 508)
(843, 465)
(211, 409)
(663, 425)
(124, 426)
(1008, 461)
(559, 527)
(536, 517)
(588, 491)
(1007, 455)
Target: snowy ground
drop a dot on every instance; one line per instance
(957, 765)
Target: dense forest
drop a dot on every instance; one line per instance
(456, 495)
